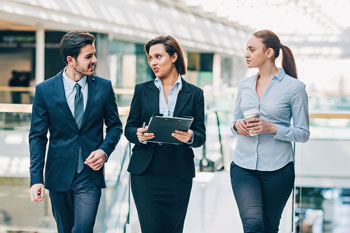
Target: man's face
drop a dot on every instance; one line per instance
(85, 63)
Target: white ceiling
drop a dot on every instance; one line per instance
(313, 27)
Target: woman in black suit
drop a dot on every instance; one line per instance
(161, 175)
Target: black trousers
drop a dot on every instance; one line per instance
(161, 198)
(261, 196)
(75, 210)
(161, 202)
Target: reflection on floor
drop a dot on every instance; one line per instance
(212, 207)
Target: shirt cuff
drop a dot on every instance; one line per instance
(143, 142)
(190, 141)
(280, 132)
(106, 156)
(234, 132)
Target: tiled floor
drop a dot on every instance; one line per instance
(212, 207)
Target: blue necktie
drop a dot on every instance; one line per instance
(78, 115)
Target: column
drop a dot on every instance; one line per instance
(216, 71)
(40, 54)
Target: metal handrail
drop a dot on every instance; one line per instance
(27, 108)
(118, 91)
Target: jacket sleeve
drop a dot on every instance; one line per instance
(198, 125)
(38, 138)
(114, 128)
(134, 118)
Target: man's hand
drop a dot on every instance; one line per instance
(37, 192)
(96, 159)
(183, 136)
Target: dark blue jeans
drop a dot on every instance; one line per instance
(261, 196)
(75, 210)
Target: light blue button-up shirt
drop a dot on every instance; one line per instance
(167, 109)
(70, 90)
(284, 99)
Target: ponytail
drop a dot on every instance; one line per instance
(271, 40)
(288, 62)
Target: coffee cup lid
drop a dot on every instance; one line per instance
(251, 112)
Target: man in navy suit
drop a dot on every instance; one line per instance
(73, 106)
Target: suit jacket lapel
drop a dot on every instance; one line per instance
(152, 96)
(182, 98)
(61, 95)
(90, 99)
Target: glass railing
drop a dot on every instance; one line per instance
(322, 192)
(118, 213)
(17, 213)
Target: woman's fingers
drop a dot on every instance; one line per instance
(142, 135)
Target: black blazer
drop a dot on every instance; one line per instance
(190, 102)
(51, 112)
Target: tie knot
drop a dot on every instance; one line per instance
(78, 87)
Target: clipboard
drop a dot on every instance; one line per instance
(163, 127)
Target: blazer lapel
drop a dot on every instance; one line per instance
(61, 95)
(90, 99)
(152, 96)
(182, 98)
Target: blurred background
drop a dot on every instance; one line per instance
(213, 35)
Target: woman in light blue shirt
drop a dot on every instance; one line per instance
(262, 171)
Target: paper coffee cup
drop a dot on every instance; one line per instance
(251, 113)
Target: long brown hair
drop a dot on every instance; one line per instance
(171, 46)
(271, 40)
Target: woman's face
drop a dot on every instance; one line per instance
(256, 54)
(160, 61)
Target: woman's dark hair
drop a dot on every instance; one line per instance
(72, 42)
(271, 40)
(171, 46)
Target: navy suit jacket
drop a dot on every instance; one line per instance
(190, 102)
(51, 112)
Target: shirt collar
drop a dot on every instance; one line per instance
(280, 75)
(71, 83)
(159, 83)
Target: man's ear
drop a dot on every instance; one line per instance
(174, 57)
(69, 59)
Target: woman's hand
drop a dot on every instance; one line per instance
(241, 127)
(258, 125)
(142, 135)
(183, 136)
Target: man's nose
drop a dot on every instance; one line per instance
(94, 59)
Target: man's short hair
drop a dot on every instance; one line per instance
(73, 41)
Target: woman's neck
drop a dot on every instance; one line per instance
(267, 71)
(171, 79)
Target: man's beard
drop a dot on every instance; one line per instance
(79, 70)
